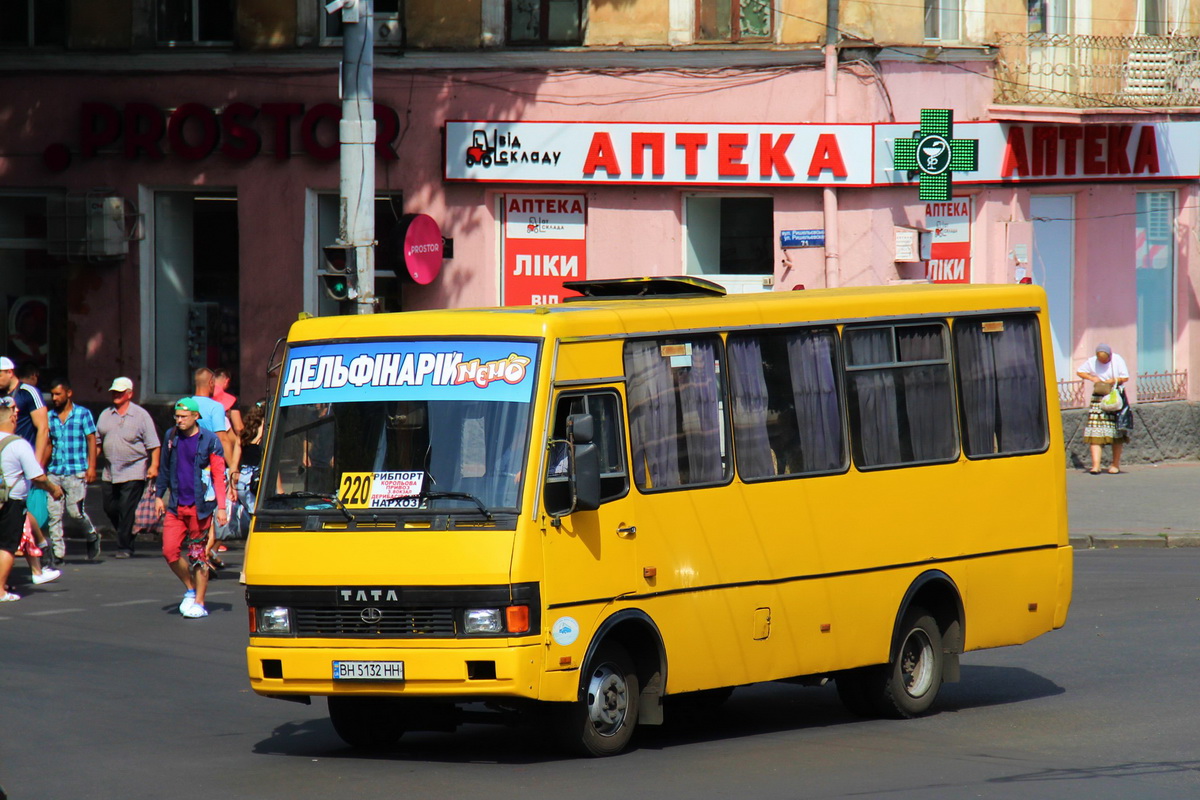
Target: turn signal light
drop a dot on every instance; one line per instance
(517, 618)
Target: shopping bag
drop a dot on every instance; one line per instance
(145, 519)
(1112, 402)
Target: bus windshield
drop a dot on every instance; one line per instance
(401, 426)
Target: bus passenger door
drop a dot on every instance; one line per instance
(590, 556)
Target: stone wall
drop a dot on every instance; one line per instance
(1161, 432)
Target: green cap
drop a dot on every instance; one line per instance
(188, 404)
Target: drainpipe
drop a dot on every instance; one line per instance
(832, 257)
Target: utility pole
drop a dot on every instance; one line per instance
(356, 134)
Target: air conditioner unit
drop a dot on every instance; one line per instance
(91, 227)
(387, 30)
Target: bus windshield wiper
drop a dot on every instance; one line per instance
(460, 496)
(329, 496)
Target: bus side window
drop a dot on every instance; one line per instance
(1001, 386)
(899, 394)
(609, 436)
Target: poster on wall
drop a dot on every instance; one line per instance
(949, 226)
(29, 330)
(545, 243)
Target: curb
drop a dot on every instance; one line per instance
(1114, 541)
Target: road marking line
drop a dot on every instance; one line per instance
(50, 611)
(129, 603)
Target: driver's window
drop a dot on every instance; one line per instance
(609, 437)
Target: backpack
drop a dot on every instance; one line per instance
(4, 487)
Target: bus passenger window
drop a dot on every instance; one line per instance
(677, 424)
(787, 410)
(1001, 387)
(899, 396)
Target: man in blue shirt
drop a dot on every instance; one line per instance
(72, 465)
(32, 423)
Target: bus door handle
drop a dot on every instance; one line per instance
(627, 531)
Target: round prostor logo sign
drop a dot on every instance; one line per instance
(422, 247)
(933, 154)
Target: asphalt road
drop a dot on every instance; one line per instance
(109, 693)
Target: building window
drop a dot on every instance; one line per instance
(732, 20)
(1049, 16)
(389, 27)
(1155, 267)
(943, 20)
(34, 23)
(1153, 17)
(545, 21)
(730, 236)
(33, 308)
(194, 21)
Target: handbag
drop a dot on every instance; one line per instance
(145, 520)
(1112, 402)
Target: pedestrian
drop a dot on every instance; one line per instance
(221, 379)
(193, 471)
(19, 468)
(72, 465)
(32, 426)
(131, 454)
(252, 436)
(213, 417)
(1105, 370)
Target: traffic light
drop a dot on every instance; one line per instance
(340, 274)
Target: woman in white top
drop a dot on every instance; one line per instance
(1105, 370)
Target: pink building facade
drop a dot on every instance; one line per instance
(163, 220)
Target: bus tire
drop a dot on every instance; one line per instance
(915, 674)
(601, 722)
(366, 723)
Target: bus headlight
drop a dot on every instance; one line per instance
(483, 620)
(275, 620)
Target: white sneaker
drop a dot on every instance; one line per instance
(46, 576)
(195, 611)
(189, 600)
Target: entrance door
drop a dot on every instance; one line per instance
(1053, 268)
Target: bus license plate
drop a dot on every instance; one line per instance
(368, 670)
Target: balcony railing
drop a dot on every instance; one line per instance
(1152, 387)
(1098, 71)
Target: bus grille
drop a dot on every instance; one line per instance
(384, 623)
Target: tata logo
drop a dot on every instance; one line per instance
(368, 595)
(371, 616)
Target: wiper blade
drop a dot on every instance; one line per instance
(460, 496)
(328, 496)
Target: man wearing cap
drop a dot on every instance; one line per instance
(193, 471)
(33, 423)
(131, 453)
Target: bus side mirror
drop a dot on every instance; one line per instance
(585, 463)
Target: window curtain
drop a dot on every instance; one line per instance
(815, 393)
(749, 386)
(1021, 387)
(977, 383)
(928, 401)
(699, 392)
(652, 416)
(873, 397)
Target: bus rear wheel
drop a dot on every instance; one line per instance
(601, 722)
(908, 686)
(366, 723)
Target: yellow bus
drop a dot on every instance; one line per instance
(654, 491)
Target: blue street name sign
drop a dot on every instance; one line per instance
(806, 238)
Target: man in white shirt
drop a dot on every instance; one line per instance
(20, 468)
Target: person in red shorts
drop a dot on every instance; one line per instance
(193, 470)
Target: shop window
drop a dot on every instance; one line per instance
(194, 21)
(196, 289)
(388, 210)
(943, 19)
(33, 305)
(786, 403)
(730, 237)
(1001, 388)
(899, 396)
(1155, 268)
(34, 23)
(545, 21)
(732, 20)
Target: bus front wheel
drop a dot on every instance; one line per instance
(601, 722)
(366, 723)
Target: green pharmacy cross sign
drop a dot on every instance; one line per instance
(935, 154)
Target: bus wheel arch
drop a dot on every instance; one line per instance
(620, 685)
(937, 593)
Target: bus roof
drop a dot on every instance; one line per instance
(587, 317)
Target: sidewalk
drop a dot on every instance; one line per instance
(1145, 506)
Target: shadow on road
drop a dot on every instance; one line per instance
(751, 711)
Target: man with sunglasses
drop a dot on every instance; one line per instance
(20, 468)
